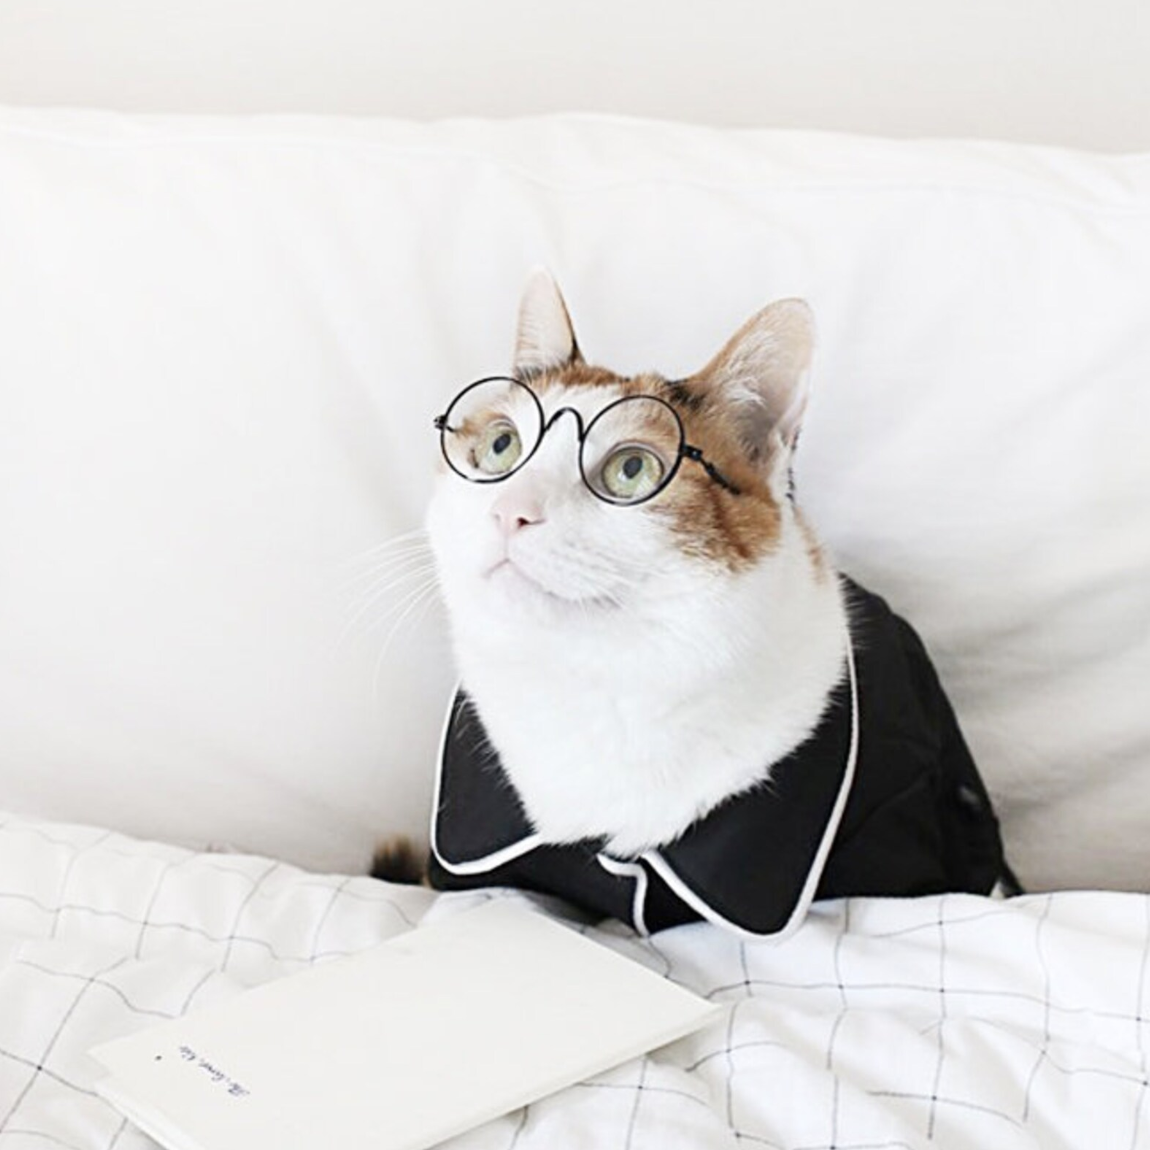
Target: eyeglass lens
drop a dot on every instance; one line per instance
(491, 428)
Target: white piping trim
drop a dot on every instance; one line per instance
(487, 862)
(806, 896)
(636, 871)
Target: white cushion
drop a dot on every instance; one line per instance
(222, 342)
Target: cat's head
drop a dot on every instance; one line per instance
(577, 512)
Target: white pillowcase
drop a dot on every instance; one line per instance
(222, 341)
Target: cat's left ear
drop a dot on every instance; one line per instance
(545, 338)
(762, 375)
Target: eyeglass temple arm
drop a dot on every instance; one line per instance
(696, 454)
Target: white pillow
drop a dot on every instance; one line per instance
(222, 342)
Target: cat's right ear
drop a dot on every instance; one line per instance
(762, 374)
(545, 338)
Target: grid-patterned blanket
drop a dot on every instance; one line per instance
(951, 1022)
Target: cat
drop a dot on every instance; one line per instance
(651, 637)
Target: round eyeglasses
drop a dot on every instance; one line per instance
(628, 453)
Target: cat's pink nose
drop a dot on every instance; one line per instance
(513, 512)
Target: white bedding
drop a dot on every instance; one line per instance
(953, 1022)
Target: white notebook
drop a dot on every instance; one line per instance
(400, 1046)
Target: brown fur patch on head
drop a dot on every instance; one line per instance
(734, 530)
(711, 522)
(576, 374)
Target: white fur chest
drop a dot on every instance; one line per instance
(633, 728)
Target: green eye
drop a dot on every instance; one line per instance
(497, 448)
(631, 473)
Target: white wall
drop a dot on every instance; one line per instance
(1073, 72)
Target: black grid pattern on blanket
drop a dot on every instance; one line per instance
(952, 1022)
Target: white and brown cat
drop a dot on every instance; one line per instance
(663, 712)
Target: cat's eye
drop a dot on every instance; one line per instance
(497, 448)
(631, 472)
(491, 429)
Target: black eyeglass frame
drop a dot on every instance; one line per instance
(685, 451)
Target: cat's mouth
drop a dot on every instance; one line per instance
(508, 573)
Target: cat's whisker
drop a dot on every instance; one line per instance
(393, 546)
(421, 580)
(371, 596)
(387, 572)
(613, 567)
(573, 561)
(396, 544)
(391, 541)
(419, 603)
(370, 599)
(392, 563)
(618, 562)
(414, 557)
